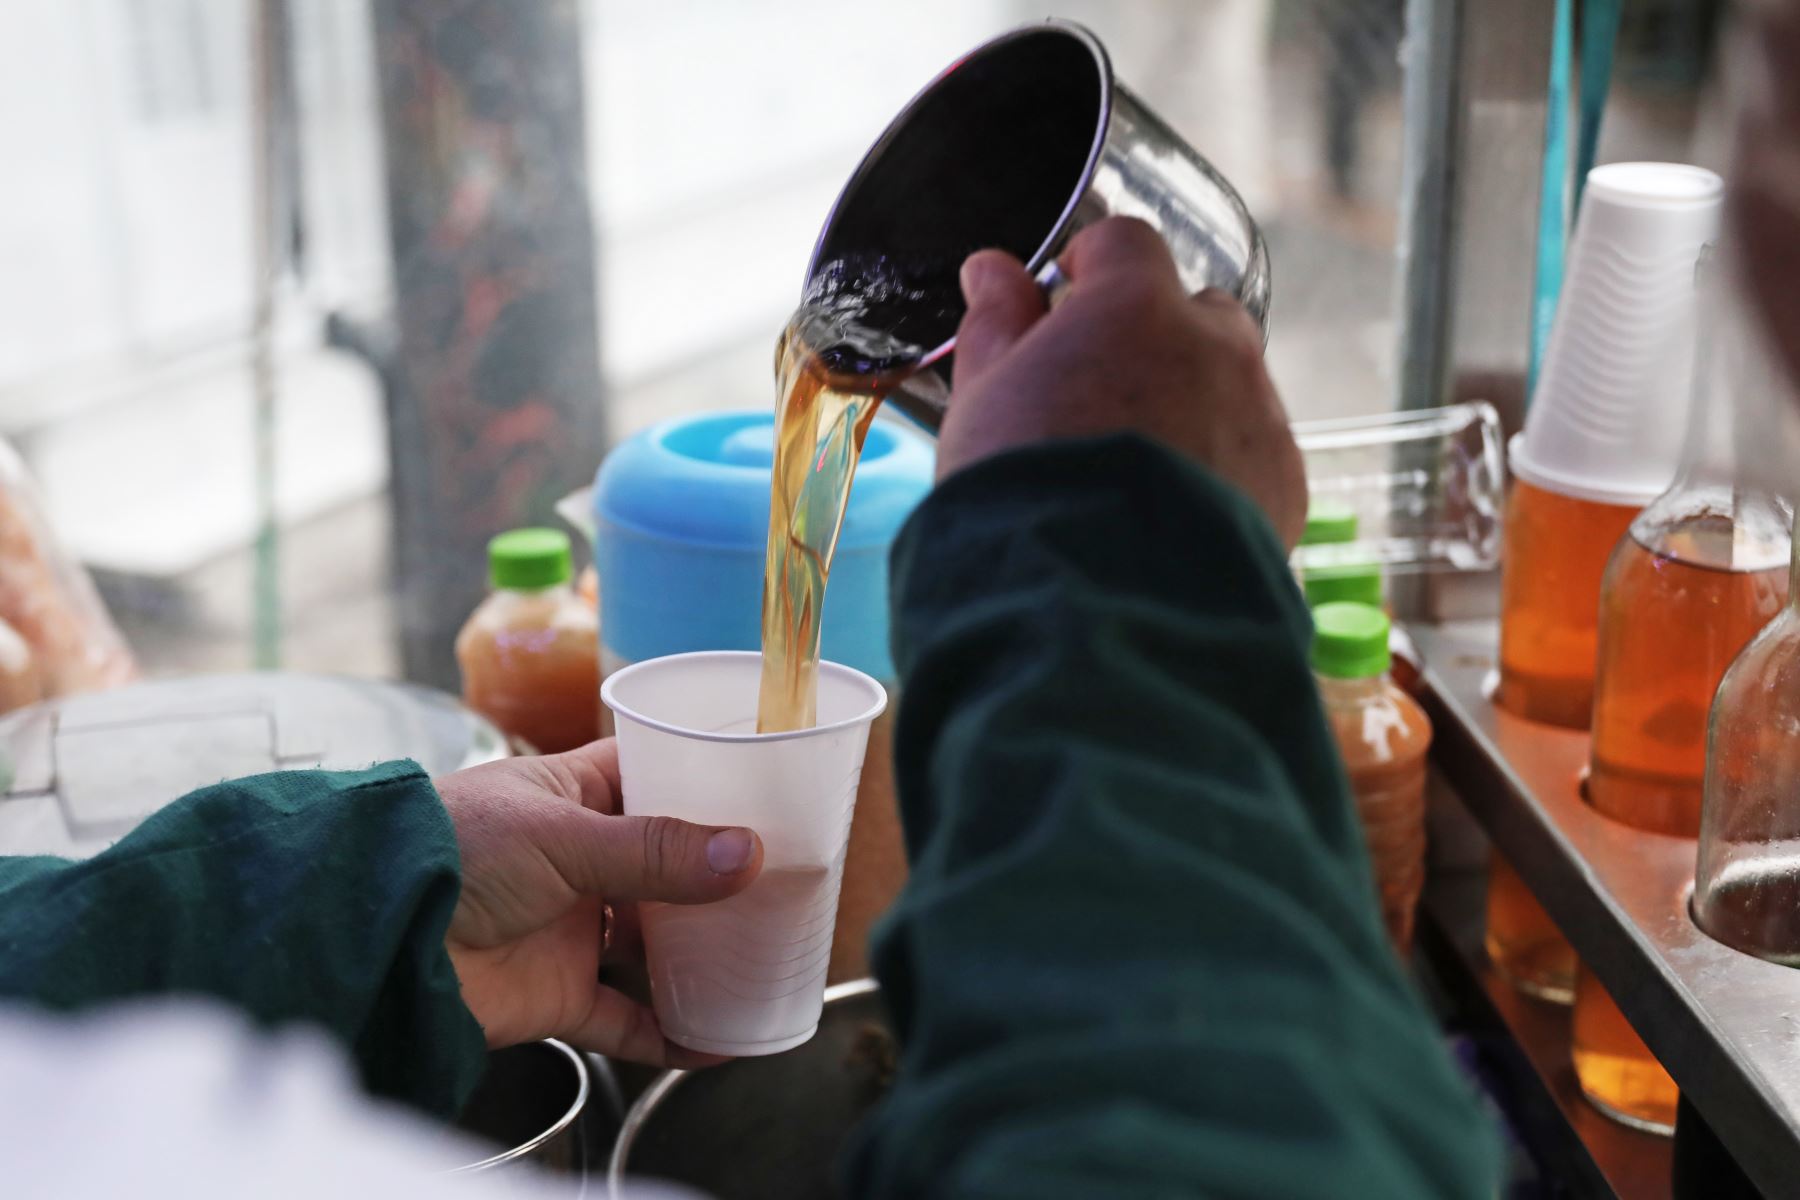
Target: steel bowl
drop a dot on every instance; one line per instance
(764, 1128)
(543, 1105)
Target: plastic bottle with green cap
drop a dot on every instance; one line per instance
(1328, 522)
(1383, 736)
(530, 653)
(1332, 523)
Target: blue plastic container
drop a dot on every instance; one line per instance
(681, 523)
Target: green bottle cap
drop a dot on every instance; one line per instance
(1328, 522)
(1354, 583)
(1350, 641)
(527, 559)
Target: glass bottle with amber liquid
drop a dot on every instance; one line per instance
(1747, 880)
(1556, 551)
(1701, 571)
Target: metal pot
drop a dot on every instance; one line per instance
(88, 769)
(1020, 144)
(764, 1127)
(546, 1105)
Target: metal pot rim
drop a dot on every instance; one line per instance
(526, 1148)
(1102, 123)
(663, 1084)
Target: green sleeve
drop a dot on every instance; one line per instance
(1139, 953)
(303, 896)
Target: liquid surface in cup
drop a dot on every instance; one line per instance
(1673, 615)
(748, 969)
(1616, 1070)
(843, 350)
(1555, 557)
(1523, 943)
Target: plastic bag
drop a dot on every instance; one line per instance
(21, 682)
(50, 601)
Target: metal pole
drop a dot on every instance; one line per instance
(269, 62)
(1477, 77)
(1478, 74)
(1427, 213)
(494, 395)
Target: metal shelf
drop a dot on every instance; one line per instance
(1526, 1050)
(1725, 1024)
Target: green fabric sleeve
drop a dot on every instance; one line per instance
(1139, 953)
(302, 896)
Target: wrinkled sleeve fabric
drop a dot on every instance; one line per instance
(1139, 953)
(305, 896)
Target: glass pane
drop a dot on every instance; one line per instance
(702, 142)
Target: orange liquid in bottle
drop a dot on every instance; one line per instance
(1555, 555)
(1523, 942)
(531, 665)
(1674, 619)
(1674, 616)
(1617, 1071)
(1383, 736)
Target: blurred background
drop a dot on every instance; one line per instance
(326, 292)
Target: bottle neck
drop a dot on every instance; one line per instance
(1350, 691)
(1736, 383)
(548, 592)
(1743, 429)
(1723, 525)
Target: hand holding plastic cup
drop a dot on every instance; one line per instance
(745, 975)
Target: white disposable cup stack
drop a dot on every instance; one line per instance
(1610, 412)
(746, 975)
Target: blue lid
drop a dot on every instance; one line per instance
(681, 525)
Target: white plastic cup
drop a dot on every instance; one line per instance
(746, 975)
(1610, 412)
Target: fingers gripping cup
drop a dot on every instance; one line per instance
(745, 975)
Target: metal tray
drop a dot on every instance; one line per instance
(1725, 1024)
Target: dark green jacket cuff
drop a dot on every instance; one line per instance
(320, 897)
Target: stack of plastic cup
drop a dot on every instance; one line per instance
(1604, 434)
(1610, 411)
(746, 975)
(1603, 438)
